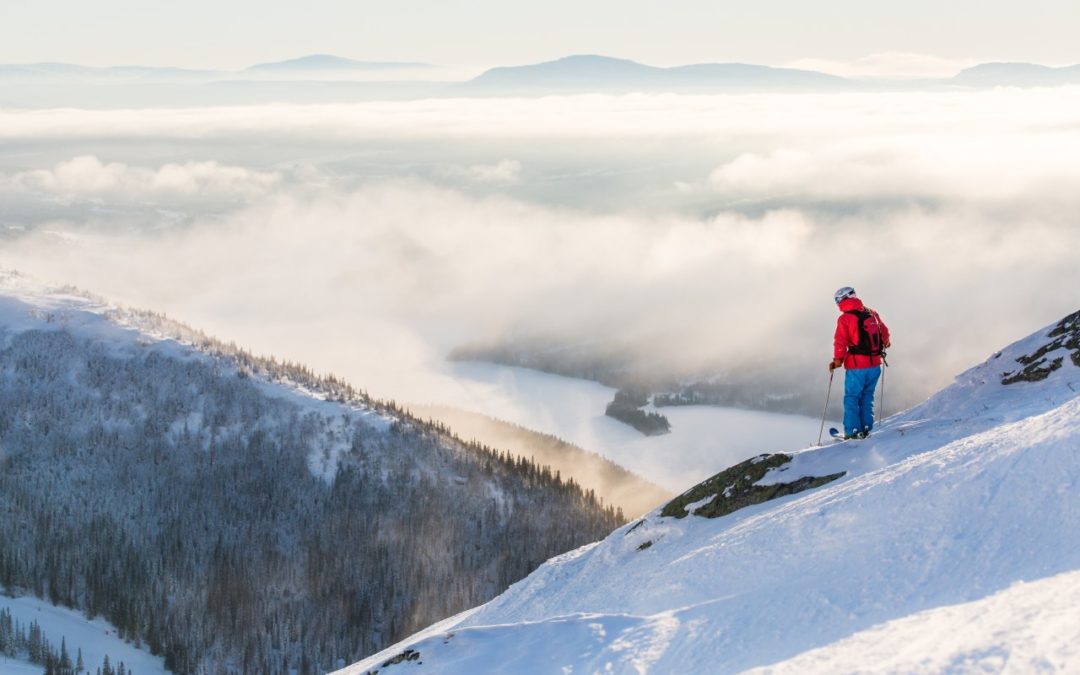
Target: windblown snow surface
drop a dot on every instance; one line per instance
(952, 544)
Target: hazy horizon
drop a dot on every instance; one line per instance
(482, 33)
(369, 234)
(889, 65)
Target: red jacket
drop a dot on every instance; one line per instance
(847, 335)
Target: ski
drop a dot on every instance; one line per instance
(839, 435)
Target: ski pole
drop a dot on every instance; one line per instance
(828, 393)
(881, 408)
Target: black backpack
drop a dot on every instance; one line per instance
(870, 343)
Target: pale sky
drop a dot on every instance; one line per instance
(481, 33)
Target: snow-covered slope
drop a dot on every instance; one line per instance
(1027, 628)
(94, 639)
(932, 524)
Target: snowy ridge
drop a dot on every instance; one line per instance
(950, 503)
(26, 305)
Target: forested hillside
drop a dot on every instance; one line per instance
(238, 514)
(613, 483)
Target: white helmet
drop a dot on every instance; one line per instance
(845, 292)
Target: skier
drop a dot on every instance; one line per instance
(859, 345)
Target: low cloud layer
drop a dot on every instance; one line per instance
(504, 171)
(636, 117)
(982, 169)
(89, 177)
(369, 240)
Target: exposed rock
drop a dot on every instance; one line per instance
(734, 488)
(1037, 365)
(407, 655)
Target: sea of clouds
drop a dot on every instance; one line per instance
(370, 238)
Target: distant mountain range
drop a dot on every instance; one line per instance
(325, 62)
(313, 67)
(602, 73)
(1017, 75)
(329, 78)
(49, 71)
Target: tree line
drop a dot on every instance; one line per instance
(29, 643)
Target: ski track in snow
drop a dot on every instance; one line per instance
(912, 562)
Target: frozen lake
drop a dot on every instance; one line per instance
(703, 439)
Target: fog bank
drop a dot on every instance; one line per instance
(370, 239)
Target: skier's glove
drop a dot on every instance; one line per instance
(835, 363)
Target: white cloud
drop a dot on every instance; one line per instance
(376, 281)
(505, 171)
(637, 117)
(959, 225)
(974, 167)
(888, 65)
(87, 176)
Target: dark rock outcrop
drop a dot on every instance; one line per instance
(1038, 365)
(735, 488)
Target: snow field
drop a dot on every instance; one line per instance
(948, 505)
(95, 638)
(1027, 628)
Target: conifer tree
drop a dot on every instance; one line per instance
(64, 662)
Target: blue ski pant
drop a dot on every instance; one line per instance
(859, 386)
